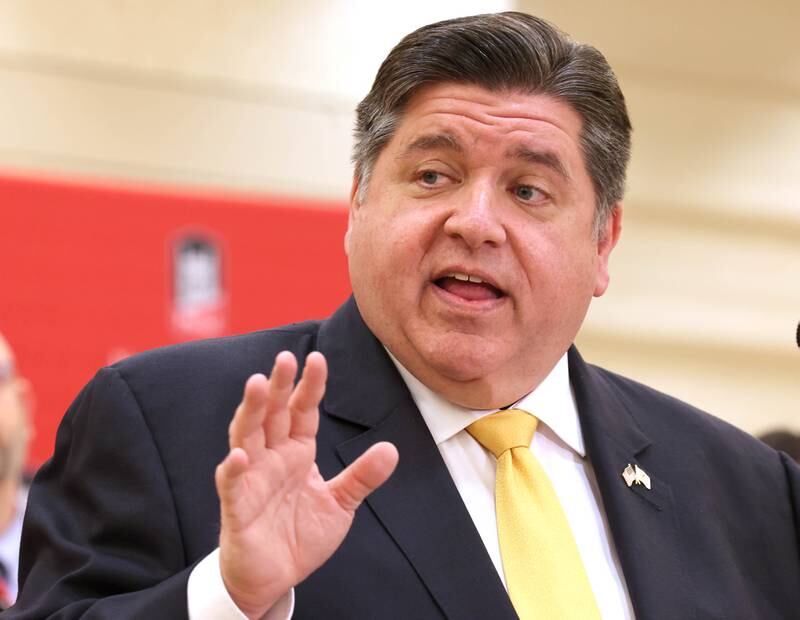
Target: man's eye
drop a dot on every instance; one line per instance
(528, 193)
(429, 177)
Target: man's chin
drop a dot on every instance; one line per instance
(465, 365)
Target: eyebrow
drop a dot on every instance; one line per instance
(430, 142)
(545, 158)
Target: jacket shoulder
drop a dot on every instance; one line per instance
(238, 352)
(203, 377)
(664, 417)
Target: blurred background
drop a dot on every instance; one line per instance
(167, 167)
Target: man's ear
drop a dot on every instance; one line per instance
(606, 242)
(354, 206)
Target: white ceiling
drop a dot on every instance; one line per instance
(745, 43)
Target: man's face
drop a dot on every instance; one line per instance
(489, 186)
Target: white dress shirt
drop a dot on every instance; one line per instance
(557, 444)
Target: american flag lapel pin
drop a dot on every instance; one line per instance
(633, 474)
(629, 475)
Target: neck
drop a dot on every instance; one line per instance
(496, 391)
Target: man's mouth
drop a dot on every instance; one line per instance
(469, 287)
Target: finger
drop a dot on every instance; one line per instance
(228, 478)
(364, 475)
(304, 402)
(249, 414)
(277, 421)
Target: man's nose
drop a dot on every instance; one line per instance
(476, 218)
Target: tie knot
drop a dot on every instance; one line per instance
(504, 430)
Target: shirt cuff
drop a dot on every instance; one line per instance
(208, 599)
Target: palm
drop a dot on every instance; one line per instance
(286, 506)
(280, 519)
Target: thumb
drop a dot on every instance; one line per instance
(364, 475)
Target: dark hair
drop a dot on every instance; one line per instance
(783, 440)
(504, 51)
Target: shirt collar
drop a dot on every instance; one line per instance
(552, 402)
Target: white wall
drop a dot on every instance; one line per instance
(246, 94)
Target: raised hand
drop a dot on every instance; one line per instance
(280, 519)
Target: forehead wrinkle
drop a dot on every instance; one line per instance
(545, 158)
(515, 106)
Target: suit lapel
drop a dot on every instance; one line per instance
(643, 522)
(419, 506)
(421, 509)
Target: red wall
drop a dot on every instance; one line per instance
(86, 274)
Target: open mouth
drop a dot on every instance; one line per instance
(468, 287)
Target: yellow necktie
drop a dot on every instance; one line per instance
(544, 573)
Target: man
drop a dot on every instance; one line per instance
(15, 434)
(490, 161)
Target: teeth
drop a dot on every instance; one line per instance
(465, 278)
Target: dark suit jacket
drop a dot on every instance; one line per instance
(127, 506)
